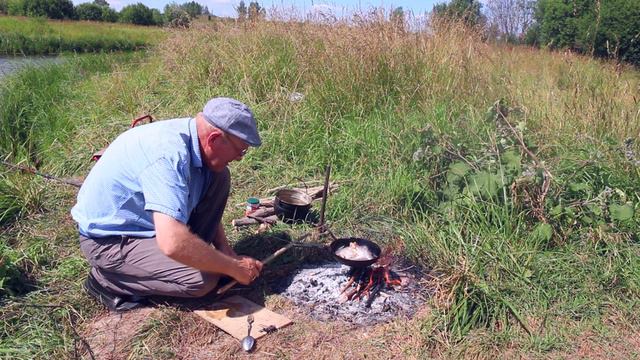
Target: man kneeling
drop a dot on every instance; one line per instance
(149, 212)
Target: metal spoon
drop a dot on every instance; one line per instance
(249, 341)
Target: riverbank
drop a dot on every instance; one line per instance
(33, 36)
(10, 65)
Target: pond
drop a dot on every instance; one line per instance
(9, 65)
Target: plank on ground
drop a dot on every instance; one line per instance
(230, 315)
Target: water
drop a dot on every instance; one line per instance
(10, 65)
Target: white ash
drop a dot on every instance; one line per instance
(318, 289)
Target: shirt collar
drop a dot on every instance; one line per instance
(196, 157)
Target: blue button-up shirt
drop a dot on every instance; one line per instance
(153, 167)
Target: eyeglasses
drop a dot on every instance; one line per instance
(239, 149)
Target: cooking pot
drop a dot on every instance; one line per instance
(372, 247)
(292, 204)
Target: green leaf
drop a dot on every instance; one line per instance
(586, 220)
(595, 209)
(542, 232)
(578, 187)
(621, 212)
(485, 184)
(556, 210)
(459, 168)
(457, 172)
(512, 162)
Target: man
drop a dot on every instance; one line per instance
(149, 212)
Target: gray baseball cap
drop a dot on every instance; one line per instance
(233, 117)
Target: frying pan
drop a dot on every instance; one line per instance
(343, 242)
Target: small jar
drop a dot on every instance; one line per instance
(252, 205)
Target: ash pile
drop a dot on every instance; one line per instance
(362, 296)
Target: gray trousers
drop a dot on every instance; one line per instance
(136, 266)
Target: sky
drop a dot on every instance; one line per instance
(337, 7)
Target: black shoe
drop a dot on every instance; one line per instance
(113, 302)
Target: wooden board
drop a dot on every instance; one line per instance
(230, 315)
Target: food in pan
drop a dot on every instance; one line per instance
(355, 252)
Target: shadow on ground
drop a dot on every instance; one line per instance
(261, 246)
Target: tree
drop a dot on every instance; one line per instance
(192, 8)
(4, 7)
(558, 27)
(16, 7)
(616, 29)
(600, 28)
(468, 11)
(256, 11)
(241, 9)
(89, 11)
(109, 14)
(157, 17)
(205, 11)
(397, 18)
(101, 2)
(137, 14)
(53, 9)
(510, 18)
(176, 16)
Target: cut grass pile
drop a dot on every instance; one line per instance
(39, 36)
(509, 172)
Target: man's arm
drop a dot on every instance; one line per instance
(177, 242)
(221, 242)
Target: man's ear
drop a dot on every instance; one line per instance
(214, 134)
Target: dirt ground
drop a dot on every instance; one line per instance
(167, 332)
(184, 335)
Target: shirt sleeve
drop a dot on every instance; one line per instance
(165, 188)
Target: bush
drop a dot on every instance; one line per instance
(109, 15)
(15, 7)
(609, 30)
(137, 14)
(157, 17)
(53, 9)
(176, 16)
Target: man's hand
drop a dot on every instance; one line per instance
(248, 269)
(177, 242)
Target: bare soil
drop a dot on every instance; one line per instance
(181, 334)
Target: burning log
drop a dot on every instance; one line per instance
(369, 282)
(374, 293)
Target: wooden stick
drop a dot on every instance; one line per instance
(73, 182)
(252, 221)
(272, 220)
(325, 194)
(266, 261)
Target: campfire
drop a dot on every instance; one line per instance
(362, 295)
(368, 282)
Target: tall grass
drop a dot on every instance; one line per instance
(35, 36)
(438, 138)
(42, 112)
(373, 91)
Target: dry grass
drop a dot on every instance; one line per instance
(560, 94)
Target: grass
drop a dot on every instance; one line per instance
(36, 36)
(509, 171)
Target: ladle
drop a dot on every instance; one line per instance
(248, 342)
